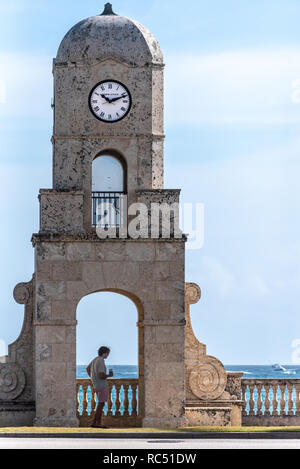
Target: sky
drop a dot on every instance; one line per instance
(232, 144)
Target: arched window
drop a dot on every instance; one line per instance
(108, 189)
(108, 174)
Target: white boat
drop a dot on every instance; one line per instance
(278, 367)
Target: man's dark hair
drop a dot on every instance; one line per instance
(103, 350)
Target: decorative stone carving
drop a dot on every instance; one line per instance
(192, 293)
(22, 293)
(208, 378)
(12, 381)
(192, 296)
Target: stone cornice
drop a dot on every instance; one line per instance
(108, 58)
(102, 137)
(92, 237)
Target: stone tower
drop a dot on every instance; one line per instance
(108, 102)
(108, 139)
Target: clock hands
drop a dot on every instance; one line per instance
(105, 97)
(112, 100)
(119, 97)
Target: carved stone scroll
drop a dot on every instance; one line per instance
(12, 381)
(22, 292)
(208, 379)
(206, 376)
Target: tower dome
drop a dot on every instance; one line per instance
(109, 34)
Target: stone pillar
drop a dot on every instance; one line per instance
(164, 374)
(56, 374)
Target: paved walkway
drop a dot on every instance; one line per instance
(148, 444)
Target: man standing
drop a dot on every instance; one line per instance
(97, 372)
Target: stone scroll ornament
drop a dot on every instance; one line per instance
(12, 381)
(208, 378)
(22, 293)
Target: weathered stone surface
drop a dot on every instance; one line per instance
(208, 416)
(97, 37)
(208, 378)
(61, 212)
(72, 262)
(12, 381)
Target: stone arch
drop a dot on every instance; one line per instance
(119, 157)
(140, 324)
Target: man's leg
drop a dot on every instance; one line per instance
(98, 414)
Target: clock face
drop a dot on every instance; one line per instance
(110, 101)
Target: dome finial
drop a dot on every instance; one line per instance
(108, 11)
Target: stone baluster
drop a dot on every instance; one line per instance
(109, 401)
(297, 403)
(274, 400)
(290, 399)
(134, 399)
(244, 398)
(259, 399)
(118, 401)
(93, 400)
(251, 399)
(77, 399)
(282, 399)
(267, 399)
(85, 386)
(126, 400)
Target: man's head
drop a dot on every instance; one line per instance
(103, 352)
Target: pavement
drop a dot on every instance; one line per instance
(146, 444)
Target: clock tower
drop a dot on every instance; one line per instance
(108, 143)
(109, 225)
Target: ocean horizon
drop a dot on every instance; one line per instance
(250, 371)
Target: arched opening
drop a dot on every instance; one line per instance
(110, 318)
(109, 185)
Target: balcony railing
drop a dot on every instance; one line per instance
(121, 409)
(271, 401)
(107, 208)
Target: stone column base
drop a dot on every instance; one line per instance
(155, 422)
(208, 416)
(56, 422)
(17, 415)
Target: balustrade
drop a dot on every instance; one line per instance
(274, 398)
(121, 409)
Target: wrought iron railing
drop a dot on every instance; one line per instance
(107, 209)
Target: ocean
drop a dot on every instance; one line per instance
(250, 371)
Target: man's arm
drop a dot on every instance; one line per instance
(88, 370)
(104, 376)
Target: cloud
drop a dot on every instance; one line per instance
(234, 87)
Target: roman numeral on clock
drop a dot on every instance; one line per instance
(110, 101)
